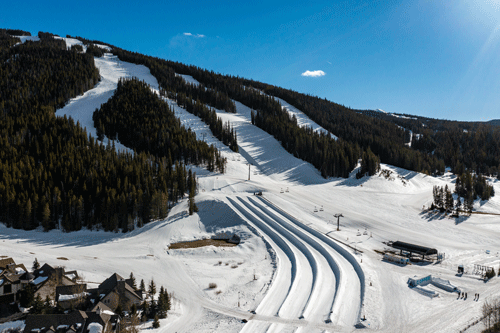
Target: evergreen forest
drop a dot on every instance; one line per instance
(52, 174)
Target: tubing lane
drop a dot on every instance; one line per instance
(283, 248)
(348, 256)
(314, 244)
(296, 242)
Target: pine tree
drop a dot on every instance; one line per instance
(152, 288)
(156, 322)
(448, 199)
(441, 198)
(163, 303)
(36, 265)
(131, 277)
(47, 305)
(469, 203)
(37, 307)
(192, 192)
(458, 206)
(142, 286)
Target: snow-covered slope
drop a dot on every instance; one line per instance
(293, 271)
(111, 69)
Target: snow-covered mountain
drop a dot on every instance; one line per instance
(293, 271)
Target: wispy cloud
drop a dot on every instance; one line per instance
(313, 73)
(194, 35)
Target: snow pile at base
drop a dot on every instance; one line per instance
(12, 325)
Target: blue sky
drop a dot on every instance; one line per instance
(438, 59)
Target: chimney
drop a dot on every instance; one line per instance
(120, 285)
(59, 274)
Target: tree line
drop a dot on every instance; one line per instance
(140, 120)
(467, 186)
(52, 174)
(175, 84)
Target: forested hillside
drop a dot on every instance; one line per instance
(140, 120)
(332, 157)
(51, 173)
(473, 146)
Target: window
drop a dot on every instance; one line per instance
(7, 289)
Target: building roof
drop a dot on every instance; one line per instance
(5, 262)
(76, 321)
(43, 323)
(103, 307)
(110, 283)
(413, 248)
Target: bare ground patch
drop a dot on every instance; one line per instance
(200, 243)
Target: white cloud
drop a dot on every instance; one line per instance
(313, 73)
(197, 36)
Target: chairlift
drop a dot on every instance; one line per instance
(365, 232)
(321, 208)
(281, 191)
(315, 209)
(287, 190)
(359, 233)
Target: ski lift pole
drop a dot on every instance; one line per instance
(338, 216)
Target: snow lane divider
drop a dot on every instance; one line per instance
(276, 239)
(292, 239)
(331, 261)
(348, 256)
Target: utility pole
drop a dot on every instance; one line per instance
(338, 216)
(249, 164)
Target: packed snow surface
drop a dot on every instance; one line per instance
(293, 271)
(111, 70)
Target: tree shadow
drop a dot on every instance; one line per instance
(461, 219)
(432, 215)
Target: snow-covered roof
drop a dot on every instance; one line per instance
(39, 280)
(19, 270)
(95, 328)
(71, 297)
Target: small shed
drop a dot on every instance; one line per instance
(235, 239)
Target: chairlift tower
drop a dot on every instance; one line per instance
(338, 216)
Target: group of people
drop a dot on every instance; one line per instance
(464, 296)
